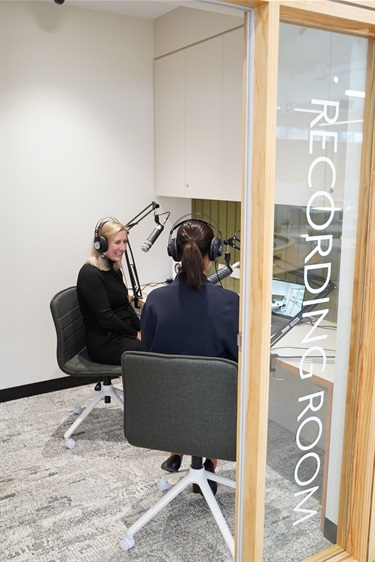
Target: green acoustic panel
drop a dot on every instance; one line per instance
(227, 216)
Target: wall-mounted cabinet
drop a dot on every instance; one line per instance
(198, 120)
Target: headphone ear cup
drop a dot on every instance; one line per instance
(216, 248)
(172, 250)
(100, 244)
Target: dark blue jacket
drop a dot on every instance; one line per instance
(179, 320)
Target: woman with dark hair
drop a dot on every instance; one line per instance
(192, 316)
(112, 325)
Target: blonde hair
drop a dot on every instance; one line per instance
(108, 228)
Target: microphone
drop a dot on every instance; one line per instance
(153, 237)
(221, 274)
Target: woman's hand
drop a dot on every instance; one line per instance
(139, 336)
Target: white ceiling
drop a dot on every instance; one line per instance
(145, 9)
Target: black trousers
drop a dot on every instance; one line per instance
(109, 349)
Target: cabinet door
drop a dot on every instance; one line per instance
(170, 126)
(203, 119)
(233, 48)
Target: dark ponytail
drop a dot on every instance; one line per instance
(193, 242)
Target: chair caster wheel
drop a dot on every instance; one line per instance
(126, 543)
(163, 485)
(77, 410)
(70, 443)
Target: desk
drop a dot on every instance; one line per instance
(147, 289)
(286, 385)
(290, 350)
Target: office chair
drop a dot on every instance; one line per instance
(73, 359)
(183, 404)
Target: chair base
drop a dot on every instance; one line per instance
(192, 476)
(106, 393)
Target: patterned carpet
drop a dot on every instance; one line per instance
(60, 505)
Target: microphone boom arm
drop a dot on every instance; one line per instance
(133, 275)
(130, 262)
(146, 211)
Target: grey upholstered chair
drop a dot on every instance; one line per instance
(183, 404)
(73, 359)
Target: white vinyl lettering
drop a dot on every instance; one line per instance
(299, 464)
(316, 420)
(324, 114)
(331, 208)
(323, 160)
(320, 211)
(310, 405)
(309, 512)
(323, 135)
(308, 274)
(321, 315)
(314, 349)
(318, 248)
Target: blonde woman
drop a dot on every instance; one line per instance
(112, 325)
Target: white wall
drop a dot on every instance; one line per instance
(77, 145)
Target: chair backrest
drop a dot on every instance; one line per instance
(180, 403)
(70, 328)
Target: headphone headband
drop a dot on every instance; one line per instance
(100, 242)
(216, 246)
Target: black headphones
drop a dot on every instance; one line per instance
(216, 245)
(100, 242)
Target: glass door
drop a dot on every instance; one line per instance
(320, 123)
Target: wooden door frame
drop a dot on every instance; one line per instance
(356, 535)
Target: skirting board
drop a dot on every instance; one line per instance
(43, 387)
(330, 530)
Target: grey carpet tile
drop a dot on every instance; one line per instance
(60, 505)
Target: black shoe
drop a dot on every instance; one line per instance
(209, 466)
(172, 464)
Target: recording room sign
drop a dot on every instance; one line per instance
(321, 242)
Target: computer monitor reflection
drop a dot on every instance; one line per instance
(287, 298)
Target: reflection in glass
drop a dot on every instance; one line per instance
(319, 140)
